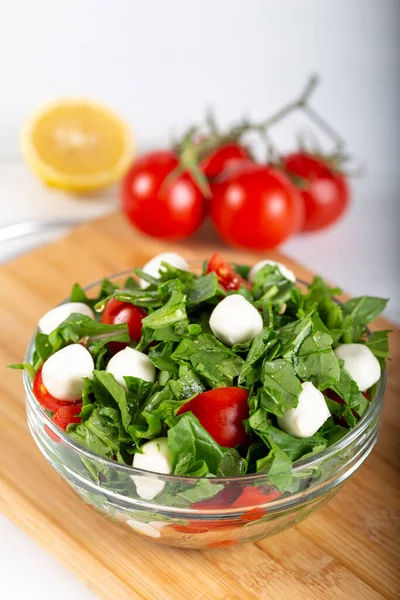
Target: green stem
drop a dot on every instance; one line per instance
(324, 126)
(300, 102)
(191, 152)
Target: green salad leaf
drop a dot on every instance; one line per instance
(281, 386)
(358, 313)
(193, 450)
(216, 364)
(102, 433)
(316, 361)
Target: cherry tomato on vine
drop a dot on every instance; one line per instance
(256, 207)
(166, 209)
(227, 276)
(325, 193)
(43, 397)
(224, 156)
(221, 412)
(67, 414)
(117, 312)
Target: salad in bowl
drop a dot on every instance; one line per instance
(206, 404)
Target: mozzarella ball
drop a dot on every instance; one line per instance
(64, 373)
(54, 317)
(131, 363)
(151, 529)
(235, 320)
(152, 267)
(283, 269)
(360, 363)
(308, 416)
(155, 457)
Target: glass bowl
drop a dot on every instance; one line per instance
(110, 488)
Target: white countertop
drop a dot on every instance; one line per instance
(360, 253)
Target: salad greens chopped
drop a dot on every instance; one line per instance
(212, 430)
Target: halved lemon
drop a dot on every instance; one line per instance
(77, 145)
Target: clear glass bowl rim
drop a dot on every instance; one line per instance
(306, 463)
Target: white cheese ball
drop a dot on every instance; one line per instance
(235, 320)
(360, 363)
(308, 416)
(151, 529)
(152, 267)
(283, 269)
(155, 457)
(131, 363)
(54, 317)
(63, 374)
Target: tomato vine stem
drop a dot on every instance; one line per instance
(195, 146)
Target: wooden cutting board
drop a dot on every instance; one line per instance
(348, 550)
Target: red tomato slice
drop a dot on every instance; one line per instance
(227, 276)
(222, 544)
(117, 312)
(222, 412)
(229, 498)
(192, 527)
(67, 414)
(251, 496)
(52, 436)
(205, 526)
(223, 499)
(43, 396)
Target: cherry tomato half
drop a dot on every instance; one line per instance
(216, 162)
(222, 412)
(231, 497)
(117, 312)
(67, 414)
(256, 207)
(43, 396)
(227, 276)
(166, 209)
(222, 499)
(251, 496)
(325, 193)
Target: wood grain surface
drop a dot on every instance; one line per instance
(348, 550)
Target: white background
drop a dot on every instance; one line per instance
(160, 64)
